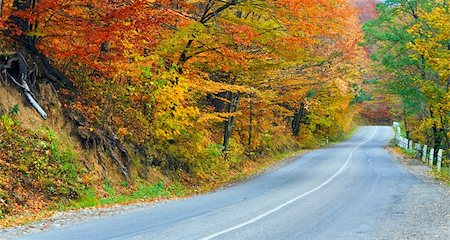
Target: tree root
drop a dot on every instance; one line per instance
(107, 140)
(25, 74)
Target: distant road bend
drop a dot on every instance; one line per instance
(340, 192)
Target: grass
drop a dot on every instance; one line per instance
(142, 192)
(443, 175)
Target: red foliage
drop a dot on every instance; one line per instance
(367, 9)
(377, 113)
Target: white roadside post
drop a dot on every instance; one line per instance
(439, 160)
(417, 148)
(424, 153)
(431, 156)
(410, 144)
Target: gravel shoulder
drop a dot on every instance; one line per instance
(66, 218)
(423, 213)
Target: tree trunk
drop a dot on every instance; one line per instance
(250, 128)
(1, 8)
(445, 129)
(406, 125)
(23, 24)
(183, 56)
(231, 107)
(436, 138)
(296, 121)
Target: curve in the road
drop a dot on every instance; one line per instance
(339, 192)
(265, 214)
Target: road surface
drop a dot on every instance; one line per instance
(340, 192)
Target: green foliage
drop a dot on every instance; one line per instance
(109, 189)
(147, 72)
(8, 124)
(411, 42)
(361, 96)
(311, 93)
(214, 150)
(151, 191)
(14, 110)
(89, 197)
(125, 184)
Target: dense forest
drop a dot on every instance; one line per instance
(141, 95)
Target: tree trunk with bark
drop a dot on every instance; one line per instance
(231, 107)
(1, 8)
(406, 124)
(297, 120)
(250, 127)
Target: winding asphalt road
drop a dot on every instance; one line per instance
(340, 192)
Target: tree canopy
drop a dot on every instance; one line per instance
(411, 41)
(197, 89)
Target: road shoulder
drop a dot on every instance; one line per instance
(423, 212)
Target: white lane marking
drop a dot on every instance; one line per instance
(293, 199)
